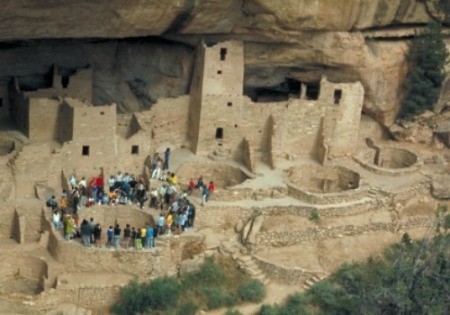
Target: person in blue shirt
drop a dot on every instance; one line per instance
(205, 193)
(149, 237)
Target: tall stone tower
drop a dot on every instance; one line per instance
(216, 96)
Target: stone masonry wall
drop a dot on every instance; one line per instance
(43, 119)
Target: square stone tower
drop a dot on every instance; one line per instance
(216, 96)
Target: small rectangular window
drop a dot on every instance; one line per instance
(219, 71)
(102, 113)
(337, 96)
(134, 149)
(229, 104)
(219, 133)
(223, 53)
(85, 150)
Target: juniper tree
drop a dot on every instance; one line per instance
(427, 58)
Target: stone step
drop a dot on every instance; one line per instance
(245, 258)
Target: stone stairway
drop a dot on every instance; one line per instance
(247, 263)
(312, 280)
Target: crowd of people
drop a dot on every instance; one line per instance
(176, 212)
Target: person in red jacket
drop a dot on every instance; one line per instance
(211, 189)
(99, 183)
(191, 187)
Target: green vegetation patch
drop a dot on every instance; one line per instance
(218, 283)
(412, 277)
(427, 58)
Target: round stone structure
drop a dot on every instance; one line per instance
(318, 184)
(388, 161)
(23, 275)
(223, 175)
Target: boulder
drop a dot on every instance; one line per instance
(440, 187)
(256, 227)
(442, 131)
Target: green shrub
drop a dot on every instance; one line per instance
(251, 291)
(217, 297)
(160, 294)
(314, 216)
(163, 293)
(232, 312)
(209, 274)
(188, 308)
(268, 310)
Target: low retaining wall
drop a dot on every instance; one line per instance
(281, 274)
(351, 195)
(365, 158)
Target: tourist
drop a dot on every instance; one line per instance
(83, 196)
(169, 221)
(86, 232)
(117, 231)
(56, 218)
(99, 183)
(110, 235)
(153, 198)
(157, 171)
(52, 203)
(143, 235)
(92, 224)
(119, 180)
(191, 187)
(205, 193)
(191, 215)
(68, 227)
(97, 235)
(111, 183)
(133, 235)
(75, 199)
(149, 237)
(161, 221)
(211, 189)
(166, 159)
(199, 183)
(63, 202)
(126, 236)
(82, 182)
(162, 192)
(73, 180)
(138, 240)
(183, 220)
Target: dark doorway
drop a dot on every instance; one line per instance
(312, 91)
(85, 150)
(134, 149)
(223, 53)
(219, 133)
(65, 81)
(337, 96)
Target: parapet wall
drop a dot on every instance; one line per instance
(393, 161)
(281, 274)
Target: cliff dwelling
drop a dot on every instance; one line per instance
(282, 135)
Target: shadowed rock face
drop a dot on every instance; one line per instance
(301, 39)
(133, 73)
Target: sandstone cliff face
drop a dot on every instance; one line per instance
(23, 19)
(346, 40)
